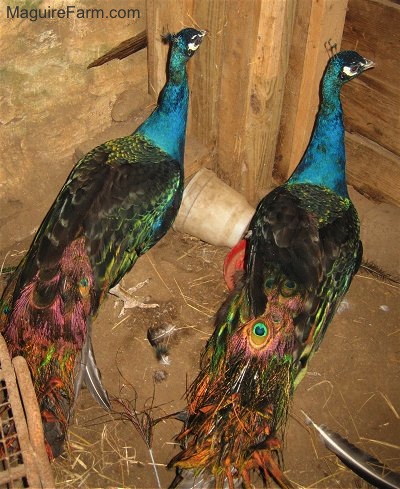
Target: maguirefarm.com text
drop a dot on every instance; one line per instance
(71, 11)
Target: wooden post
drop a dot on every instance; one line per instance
(205, 72)
(254, 63)
(325, 21)
(267, 82)
(162, 17)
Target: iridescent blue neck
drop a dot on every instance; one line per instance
(324, 162)
(166, 126)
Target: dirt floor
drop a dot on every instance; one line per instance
(352, 385)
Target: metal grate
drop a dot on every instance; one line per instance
(12, 468)
(23, 457)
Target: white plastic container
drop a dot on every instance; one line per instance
(213, 211)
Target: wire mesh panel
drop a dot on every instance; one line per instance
(12, 469)
(23, 458)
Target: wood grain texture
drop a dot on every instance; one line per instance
(238, 49)
(309, 58)
(204, 76)
(267, 85)
(255, 57)
(372, 169)
(372, 102)
(292, 89)
(163, 17)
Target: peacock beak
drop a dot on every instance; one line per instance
(199, 38)
(367, 64)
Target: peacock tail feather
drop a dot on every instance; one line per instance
(240, 399)
(47, 324)
(267, 331)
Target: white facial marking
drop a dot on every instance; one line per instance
(349, 71)
(193, 46)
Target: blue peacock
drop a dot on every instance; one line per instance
(303, 249)
(118, 201)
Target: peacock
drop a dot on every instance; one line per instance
(302, 250)
(118, 201)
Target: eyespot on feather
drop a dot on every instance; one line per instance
(270, 282)
(258, 333)
(84, 287)
(288, 288)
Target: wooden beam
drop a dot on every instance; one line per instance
(290, 105)
(325, 23)
(162, 18)
(267, 82)
(205, 72)
(253, 66)
(238, 48)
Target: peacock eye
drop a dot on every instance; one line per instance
(84, 282)
(350, 70)
(259, 334)
(84, 287)
(260, 329)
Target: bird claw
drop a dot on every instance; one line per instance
(130, 302)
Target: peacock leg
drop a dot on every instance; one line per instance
(128, 300)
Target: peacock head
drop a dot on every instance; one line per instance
(346, 65)
(186, 42)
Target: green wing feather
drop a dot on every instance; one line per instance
(121, 197)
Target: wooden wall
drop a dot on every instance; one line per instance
(372, 102)
(51, 104)
(255, 86)
(254, 94)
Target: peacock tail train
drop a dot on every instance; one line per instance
(48, 325)
(241, 396)
(302, 250)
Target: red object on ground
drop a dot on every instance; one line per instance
(234, 262)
